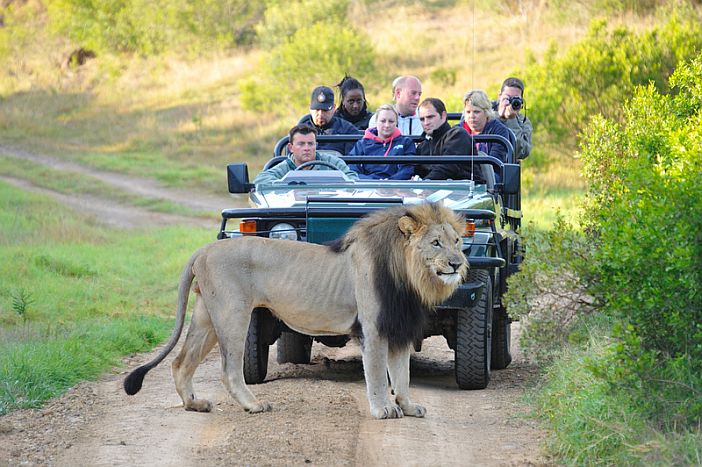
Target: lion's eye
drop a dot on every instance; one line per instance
(436, 243)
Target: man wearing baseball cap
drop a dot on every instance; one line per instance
(321, 117)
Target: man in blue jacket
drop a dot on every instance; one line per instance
(322, 119)
(302, 147)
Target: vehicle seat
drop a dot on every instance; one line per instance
(329, 152)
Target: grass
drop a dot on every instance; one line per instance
(75, 183)
(78, 296)
(594, 424)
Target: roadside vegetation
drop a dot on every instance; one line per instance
(608, 296)
(615, 316)
(78, 296)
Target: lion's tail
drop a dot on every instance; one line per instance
(133, 381)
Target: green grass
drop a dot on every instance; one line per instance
(76, 296)
(594, 424)
(75, 183)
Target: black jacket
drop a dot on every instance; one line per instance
(360, 121)
(446, 141)
(337, 126)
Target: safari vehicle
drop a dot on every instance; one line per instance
(320, 205)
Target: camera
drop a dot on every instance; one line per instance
(516, 102)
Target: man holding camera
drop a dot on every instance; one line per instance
(510, 101)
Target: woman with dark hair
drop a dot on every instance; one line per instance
(353, 108)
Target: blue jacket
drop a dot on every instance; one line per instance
(493, 127)
(373, 145)
(337, 126)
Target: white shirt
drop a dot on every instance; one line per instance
(409, 125)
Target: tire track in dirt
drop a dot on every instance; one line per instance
(129, 183)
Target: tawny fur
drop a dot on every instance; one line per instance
(388, 271)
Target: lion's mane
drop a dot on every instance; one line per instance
(405, 288)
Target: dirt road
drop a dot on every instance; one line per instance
(320, 416)
(320, 413)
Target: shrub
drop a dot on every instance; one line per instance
(645, 204)
(592, 76)
(549, 294)
(317, 55)
(152, 27)
(283, 19)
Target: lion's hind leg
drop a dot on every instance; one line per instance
(230, 316)
(198, 343)
(398, 368)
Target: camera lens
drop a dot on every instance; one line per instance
(516, 102)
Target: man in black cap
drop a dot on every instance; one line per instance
(322, 118)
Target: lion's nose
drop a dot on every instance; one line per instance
(455, 266)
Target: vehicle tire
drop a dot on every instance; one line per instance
(294, 347)
(256, 350)
(473, 338)
(501, 340)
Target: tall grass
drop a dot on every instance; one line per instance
(77, 296)
(594, 424)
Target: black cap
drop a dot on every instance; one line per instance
(322, 98)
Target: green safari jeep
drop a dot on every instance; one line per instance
(320, 205)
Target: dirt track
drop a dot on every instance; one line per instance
(320, 414)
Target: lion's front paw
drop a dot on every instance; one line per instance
(414, 410)
(259, 407)
(388, 411)
(198, 405)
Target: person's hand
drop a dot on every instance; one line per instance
(416, 178)
(508, 112)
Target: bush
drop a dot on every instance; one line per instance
(152, 27)
(317, 55)
(645, 204)
(592, 76)
(549, 294)
(283, 19)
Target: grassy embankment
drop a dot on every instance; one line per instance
(77, 296)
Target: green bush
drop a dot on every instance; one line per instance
(591, 78)
(549, 294)
(317, 55)
(645, 205)
(151, 27)
(283, 19)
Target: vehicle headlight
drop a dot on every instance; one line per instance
(283, 231)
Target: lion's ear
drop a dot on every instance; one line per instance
(407, 225)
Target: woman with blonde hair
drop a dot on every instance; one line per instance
(480, 119)
(384, 139)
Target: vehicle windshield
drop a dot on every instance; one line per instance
(452, 193)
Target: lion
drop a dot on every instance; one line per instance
(378, 281)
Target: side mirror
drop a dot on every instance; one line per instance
(510, 178)
(238, 178)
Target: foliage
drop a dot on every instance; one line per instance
(283, 19)
(320, 54)
(645, 204)
(77, 297)
(593, 425)
(549, 294)
(153, 27)
(592, 76)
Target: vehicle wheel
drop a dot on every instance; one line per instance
(473, 338)
(294, 347)
(256, 350)
(501, 340)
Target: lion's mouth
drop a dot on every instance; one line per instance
(449, 277)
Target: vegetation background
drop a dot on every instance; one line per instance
(176, 89)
